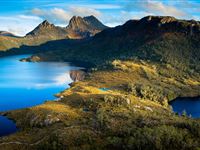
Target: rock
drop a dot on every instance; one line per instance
(77, 75)
(31, 59)
(148, 108)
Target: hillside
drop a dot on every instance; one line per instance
(78, 28)
(158, 39)
(122, 101)
(121, 107)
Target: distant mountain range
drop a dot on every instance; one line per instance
(153, 38)
(5, 33)
(78, 28)
(162, 39)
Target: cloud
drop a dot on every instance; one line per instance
(155, 7)
(139, 8)
(163, 9)
(110, 13)
(55, 15)
(93, 6)
(19, 24)
(123, 16)
(83, 11)
(61, 16)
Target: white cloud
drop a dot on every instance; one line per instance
(22, 24)
(155, 7)
(61, 16)
(93, 6)
(162, 9)
(196, 18)
(19, 24)
(123, 16)
(37, 11)
(55, 15)
(83, 11)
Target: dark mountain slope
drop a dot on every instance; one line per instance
(158, 39)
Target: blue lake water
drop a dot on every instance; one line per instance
(190, 105)
(25, 84)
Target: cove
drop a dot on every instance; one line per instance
(191, 105)
(25, 84)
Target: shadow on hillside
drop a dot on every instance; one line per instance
(50, 46)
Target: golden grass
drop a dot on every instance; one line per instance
(192, 82)
(76, 124)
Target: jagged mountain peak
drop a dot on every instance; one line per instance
(85, 23)
(46, 24)
(42, 28)
(83, 27)
(76, 22)
(76, 18)
(93, 21)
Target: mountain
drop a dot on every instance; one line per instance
(123, 101)
(162, 39)
(47, 30)
(78, 28)
(5, 33)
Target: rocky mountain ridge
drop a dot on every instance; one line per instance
(78, 28)
(154, 38)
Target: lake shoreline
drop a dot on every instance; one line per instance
(187, 97)
(4, 113)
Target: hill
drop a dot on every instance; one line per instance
(5, 33)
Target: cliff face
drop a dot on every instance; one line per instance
(84, 27)
(77, 75)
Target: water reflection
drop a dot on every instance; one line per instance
(24, 84)
(28, 84)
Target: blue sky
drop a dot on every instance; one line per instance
(21, 16)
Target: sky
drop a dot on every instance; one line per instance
(22, 16)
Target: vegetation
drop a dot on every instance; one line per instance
(144, 64)
(127, 116)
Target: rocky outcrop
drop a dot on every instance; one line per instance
(77, 75)
(31, 59)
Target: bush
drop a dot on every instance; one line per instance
(116, 100)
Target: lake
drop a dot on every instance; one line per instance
(25, 84)
(190, 105)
